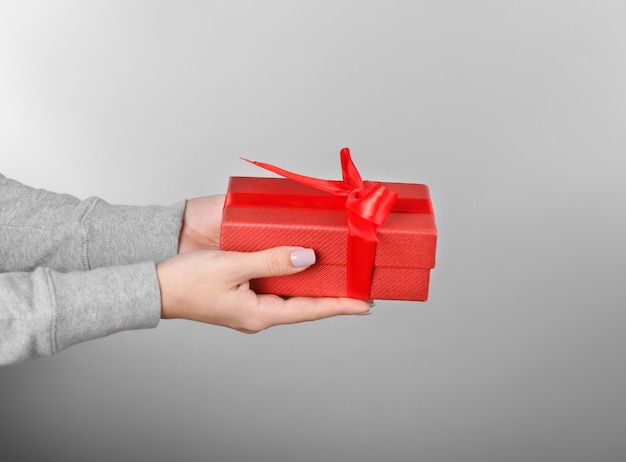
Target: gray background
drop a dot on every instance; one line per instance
(512, 112)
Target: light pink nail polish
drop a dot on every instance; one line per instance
(302, 257)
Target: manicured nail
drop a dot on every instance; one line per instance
(302, 257)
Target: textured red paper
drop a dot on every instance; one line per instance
(403, 258)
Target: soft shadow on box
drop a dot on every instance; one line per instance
(260, 213)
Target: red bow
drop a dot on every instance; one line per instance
(368, 203)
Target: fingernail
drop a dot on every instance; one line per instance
(364, 314)
(302, 257)
(371, 302)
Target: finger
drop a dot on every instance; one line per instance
(300, 309)
(277, 261)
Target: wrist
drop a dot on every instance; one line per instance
(201, 220)
(165, 286)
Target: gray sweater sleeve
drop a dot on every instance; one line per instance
(72, 270)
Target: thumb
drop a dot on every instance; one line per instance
(277, 261)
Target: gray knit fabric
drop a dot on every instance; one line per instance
(72, 270)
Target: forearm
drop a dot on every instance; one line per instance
(44, 311)
(61, 232)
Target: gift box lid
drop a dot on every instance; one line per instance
(266, 212)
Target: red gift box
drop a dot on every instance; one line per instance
(260, 213)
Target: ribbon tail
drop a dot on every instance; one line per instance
(332, 187)
(349, 171)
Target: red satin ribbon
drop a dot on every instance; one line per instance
(307, 201)
(368, 205)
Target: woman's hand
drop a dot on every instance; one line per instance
(213, 287)
(201, 224)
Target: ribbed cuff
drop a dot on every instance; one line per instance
(120, 234)
(100, 302)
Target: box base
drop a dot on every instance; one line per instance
(330, 281)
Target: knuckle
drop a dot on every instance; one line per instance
(253, 326)
(273, 265)
(255, 322)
